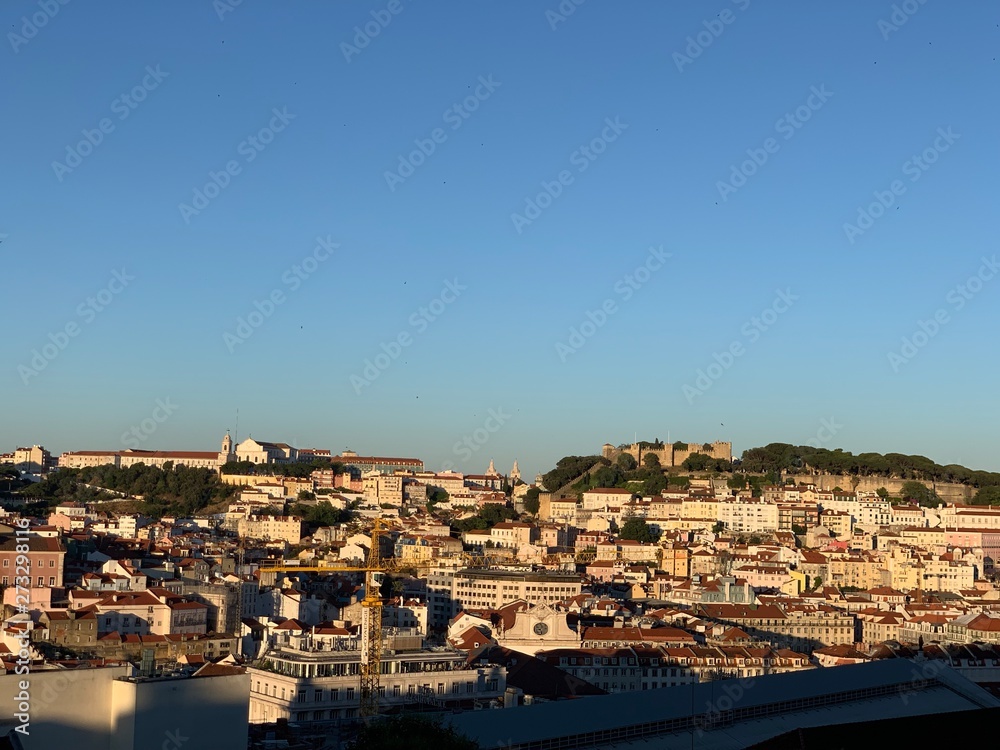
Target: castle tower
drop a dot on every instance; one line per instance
(515, 473)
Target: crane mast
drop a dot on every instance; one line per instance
(371, 629)
(371, 618)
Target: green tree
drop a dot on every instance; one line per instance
(920, 493)
(306, 495)
(637, 529)
(651, 461)
(626, 462)
(654, 484)
(531, 501)
(882, 492)
(987, 496)
(607, 476)
(737, 482)
(719, 527)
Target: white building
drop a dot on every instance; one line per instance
(106, 708)
(308, 685)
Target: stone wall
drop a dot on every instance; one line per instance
(950, 493)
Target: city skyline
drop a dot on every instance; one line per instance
(466, 455)
(275, 210)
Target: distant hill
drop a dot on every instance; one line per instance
(783, 457)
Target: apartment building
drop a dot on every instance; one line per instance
(309, 685)
(152, 612)
(382, 488)
(602, 498)
(561, 510)
(635, 668)
(273, 528)
(966, 517)
(76, 630)
(628, 550)
(801, 628)
(791, 514)
(513, 534)
(749, 517)
(45, 560)
(491, 589)
(862, 571)
(384, 464)
(839, 522)
(33, 460)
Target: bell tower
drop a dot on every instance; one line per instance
(226, 454)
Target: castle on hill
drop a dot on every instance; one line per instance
(669, 454)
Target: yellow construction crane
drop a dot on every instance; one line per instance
(371, 620)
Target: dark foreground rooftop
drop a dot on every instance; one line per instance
(731, 714)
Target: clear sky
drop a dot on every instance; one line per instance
(637, 117)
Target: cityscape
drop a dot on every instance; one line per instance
(290, 593)
(492, 376)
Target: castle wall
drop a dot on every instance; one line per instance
(950, 493)
(668, 456)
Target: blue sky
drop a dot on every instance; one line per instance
(834, 304)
